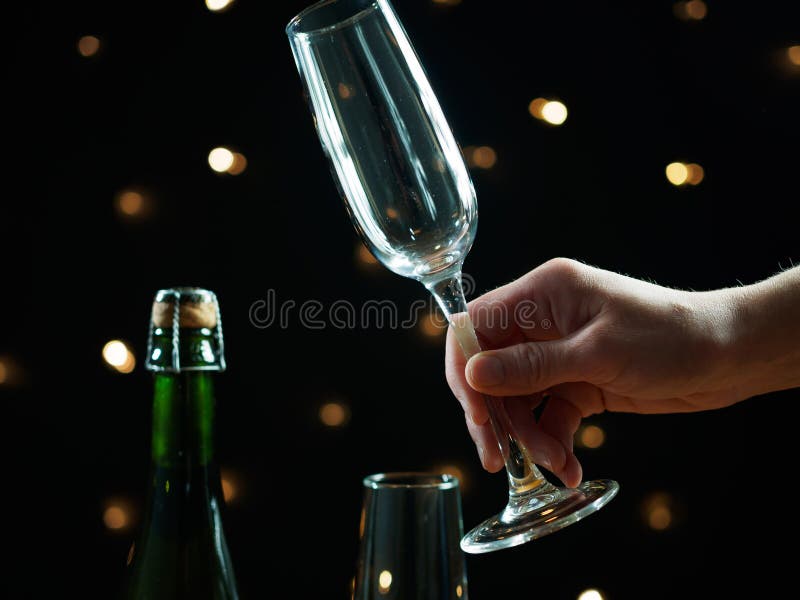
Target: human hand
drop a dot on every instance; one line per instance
(593, 341)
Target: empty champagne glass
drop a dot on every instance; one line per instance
(410, 196)
(410, 532)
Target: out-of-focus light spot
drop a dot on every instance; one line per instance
(384, 582)
(130, 203)
(657, 509)
(591, 594)
(660, 518)
(793, 52)
(362, 522)
(447, 2)
(693, 10)
(695, 174)
(484, 157)
(459, 591)
(230, 486)
(131, 553)
(88, 46)
(334, 414)
(218, 5)
(591, 436)
(554, 112)
(119, 356)
(115, 517)
(238, 165)
(536, 106)
(455, 471)
(677, 173)
(364, 256)
(220, 159)
(345, 91)
(3, 372)
(433, 325)
(392, 214)
(353, 588)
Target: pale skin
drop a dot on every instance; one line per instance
(599, 341)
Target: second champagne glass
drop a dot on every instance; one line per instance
(410, 196)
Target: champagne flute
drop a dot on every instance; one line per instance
(409, 194)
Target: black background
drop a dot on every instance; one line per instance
(173, 80)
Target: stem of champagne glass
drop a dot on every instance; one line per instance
(524, 477)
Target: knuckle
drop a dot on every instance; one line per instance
(530, 364)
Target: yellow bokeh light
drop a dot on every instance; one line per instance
(455, 471)
(657, 509)
(115, 517)
(693, 10)
(696, 9)
(677, 173)
(554, 112)
(119, 356)
(218, 5)
(238, 165)
(592, 436)
(364, 256)
(591, 594)
(88, 46)
(659, 518)
(334, 414)
(130, 203)
(433, 325)
(220, 159)
(345, 91)
(384, 581)
(793, 52)
(484, 157)
(536, 106)
(695, 173)
(3, 372)
(459, 591)
(228, 490)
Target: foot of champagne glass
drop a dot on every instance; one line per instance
(535, 506)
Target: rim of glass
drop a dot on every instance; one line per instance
(291, 28)
(411, 480)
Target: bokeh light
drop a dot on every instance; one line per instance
(591, 436)
(677, 173)
(695, 174)
(3, 372)
(220, 159)
(658, 511)
(119, 356)
(536, 106)
(345, 91)
(691, 10)
(554, 112)
(230, 485)
(88, 46)
(482, 157)
(455, 471)
(793, 53)
(384, 582)
(238, 165)
(432, 324)
(116, 516)
(447, 2)
(334, 414)
(591, 594)
(459, 591)
(364, 256)
(218, 5)
(130, 203)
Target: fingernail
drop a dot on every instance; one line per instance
(487, 370)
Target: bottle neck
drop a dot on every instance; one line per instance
(183, 420)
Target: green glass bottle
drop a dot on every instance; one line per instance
(181, 552)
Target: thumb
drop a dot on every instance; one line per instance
(526, 368)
